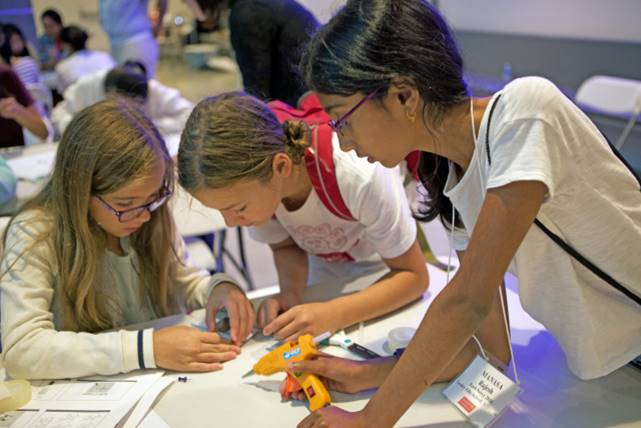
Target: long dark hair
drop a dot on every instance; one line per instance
(5, 50)
(369, 43)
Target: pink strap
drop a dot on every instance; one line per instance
(320, 167)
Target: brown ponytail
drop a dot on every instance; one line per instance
(297, 138)
(233, 137)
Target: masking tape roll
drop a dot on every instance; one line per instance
(400, 337)
(20, 391)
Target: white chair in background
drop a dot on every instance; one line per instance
(614, 95)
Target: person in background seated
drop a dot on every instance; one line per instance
(130, 31)
(80, 60)
(96, 250)
(7, 182)
(166, 108)
(17, 111)
(15, 53)
(268, 37)
(50, 43)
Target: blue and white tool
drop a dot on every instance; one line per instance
(345, 342)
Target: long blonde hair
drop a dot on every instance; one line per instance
(233, 137)
(104, 148)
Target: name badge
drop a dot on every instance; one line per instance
(481, 392)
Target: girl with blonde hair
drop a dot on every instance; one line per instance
(96, 250)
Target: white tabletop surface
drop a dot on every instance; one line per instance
(551, 396)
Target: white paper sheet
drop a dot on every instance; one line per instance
(33, 166)
(96, 402)
(95, 393)
(147, 400)
(63, 418)
(152, 420)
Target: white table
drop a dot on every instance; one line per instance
(552, 396)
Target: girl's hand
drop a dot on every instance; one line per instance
(240, 310)
(333, 417)
(344, 375)
(187, 349)
(310, 318)
(271, 307)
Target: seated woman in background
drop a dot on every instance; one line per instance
(96, 250)
(165, 106)
(15, 53)
(17, 111)
(80, 60)
(50, 43)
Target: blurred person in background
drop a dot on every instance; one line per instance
(16, 54)
(17, 110)
(80, 60)
(130, 31)
(268, 37)
(165, 106)
(50, 43)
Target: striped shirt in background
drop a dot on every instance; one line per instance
(27, 69)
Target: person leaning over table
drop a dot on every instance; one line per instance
(390, 74)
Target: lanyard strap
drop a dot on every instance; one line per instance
(503, 304)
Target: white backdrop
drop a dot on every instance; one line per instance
(616, 20)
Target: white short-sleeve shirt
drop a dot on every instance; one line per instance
(374, 195)
(593, 203)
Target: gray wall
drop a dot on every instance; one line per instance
(567, 62)
(614, 20)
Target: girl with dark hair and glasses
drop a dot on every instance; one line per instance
(523, 179)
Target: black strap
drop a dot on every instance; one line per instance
(487, 134)
(141, 355)
(556, 238)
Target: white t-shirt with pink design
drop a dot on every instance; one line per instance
(374, 195)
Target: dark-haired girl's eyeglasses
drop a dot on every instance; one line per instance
(337, 125)
(133, 213)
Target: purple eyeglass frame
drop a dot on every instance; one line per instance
(338, 124)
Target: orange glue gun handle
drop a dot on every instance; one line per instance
(314, 389)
